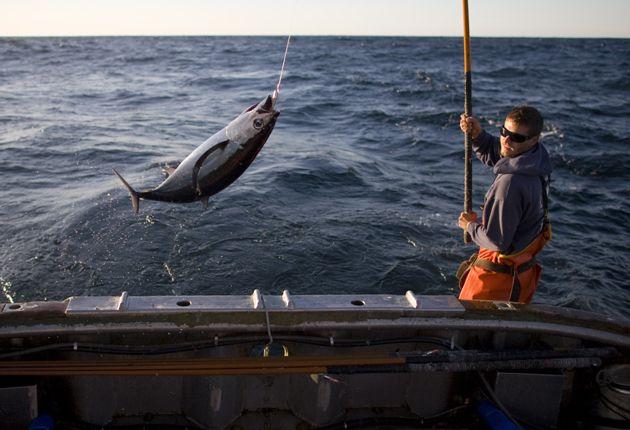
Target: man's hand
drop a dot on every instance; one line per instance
(470, 125)
(466, 218)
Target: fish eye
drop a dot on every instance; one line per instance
(258, 123)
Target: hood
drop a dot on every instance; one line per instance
(535, 162)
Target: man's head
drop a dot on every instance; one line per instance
(520, 131)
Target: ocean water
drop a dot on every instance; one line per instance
(358, 189)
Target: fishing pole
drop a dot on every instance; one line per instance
(467, 112)
(276, 92)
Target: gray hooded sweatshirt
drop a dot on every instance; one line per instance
(513, 207)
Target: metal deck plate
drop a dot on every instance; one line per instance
(258, 301)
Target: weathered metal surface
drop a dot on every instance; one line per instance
(428, 332)
(427, 393)
(533, 397)
(214, 402)
(318, 399)
(18, 406)
(305, 303)
(225, 315)
(99, 398)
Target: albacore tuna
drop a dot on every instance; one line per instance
(217, 162)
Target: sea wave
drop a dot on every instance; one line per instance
(357, 190)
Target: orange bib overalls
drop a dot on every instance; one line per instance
(490, 275)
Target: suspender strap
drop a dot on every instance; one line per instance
(516, 289)
(545, 198)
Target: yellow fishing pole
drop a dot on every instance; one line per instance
(467, 112)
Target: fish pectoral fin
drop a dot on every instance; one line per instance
(168, 170)
(204, 202)
(202, 158)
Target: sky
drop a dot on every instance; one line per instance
(488, 18)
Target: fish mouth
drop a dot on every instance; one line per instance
(266, 106)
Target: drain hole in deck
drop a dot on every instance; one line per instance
(14, 307)
(183, 303)
(358, 302)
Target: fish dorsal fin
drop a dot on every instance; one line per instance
(202, 158)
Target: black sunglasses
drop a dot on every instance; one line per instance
(518, 138)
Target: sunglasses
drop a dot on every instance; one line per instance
(515, 137)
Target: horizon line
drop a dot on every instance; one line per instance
(3, 36)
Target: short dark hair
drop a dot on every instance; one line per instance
(529, 117)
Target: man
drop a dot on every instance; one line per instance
(514, 225)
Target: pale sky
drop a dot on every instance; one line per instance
(537, 18)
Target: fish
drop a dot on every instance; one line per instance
(217, 162)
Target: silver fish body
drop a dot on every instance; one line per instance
(216, 163)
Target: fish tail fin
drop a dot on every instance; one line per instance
(135, 200)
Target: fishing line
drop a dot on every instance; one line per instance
(276, 92)
(262, 301)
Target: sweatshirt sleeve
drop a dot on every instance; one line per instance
(502, 215)
(486, 147)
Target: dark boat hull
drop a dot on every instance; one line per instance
(290, 361)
